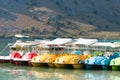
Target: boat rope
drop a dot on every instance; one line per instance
(3, 49)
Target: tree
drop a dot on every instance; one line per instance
(32, 28)
(75, 2)
(95, 12)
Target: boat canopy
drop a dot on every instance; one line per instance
(42, 41)
(22, 44)
(105, 44)
(85, 41)
(59, 41)
(117, 44)
(21, 36)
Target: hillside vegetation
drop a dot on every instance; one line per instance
(60, 18)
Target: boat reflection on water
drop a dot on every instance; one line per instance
(70, 74)
(97, 75)
(45, 73)
(52, 73)
(115, 75)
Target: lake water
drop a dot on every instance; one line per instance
(11, 72)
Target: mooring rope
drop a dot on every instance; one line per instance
(3, 49)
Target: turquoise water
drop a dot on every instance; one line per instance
(11, 72)
(109, 40)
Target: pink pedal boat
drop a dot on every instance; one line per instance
(26, 59)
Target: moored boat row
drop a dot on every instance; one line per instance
(65, 53)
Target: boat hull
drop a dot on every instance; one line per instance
(4, 61)
(106, 67)
(23, 63)
(116, 67)
(38, 64)
(59, 65)
(35, 64)
(12, 62)
(51, 65)
(78, 66)
(92, 67)
(97, 67)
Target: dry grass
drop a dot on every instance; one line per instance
(75, 19)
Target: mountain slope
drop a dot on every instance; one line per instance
(60, 18)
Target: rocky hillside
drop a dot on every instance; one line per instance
(60, 18)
